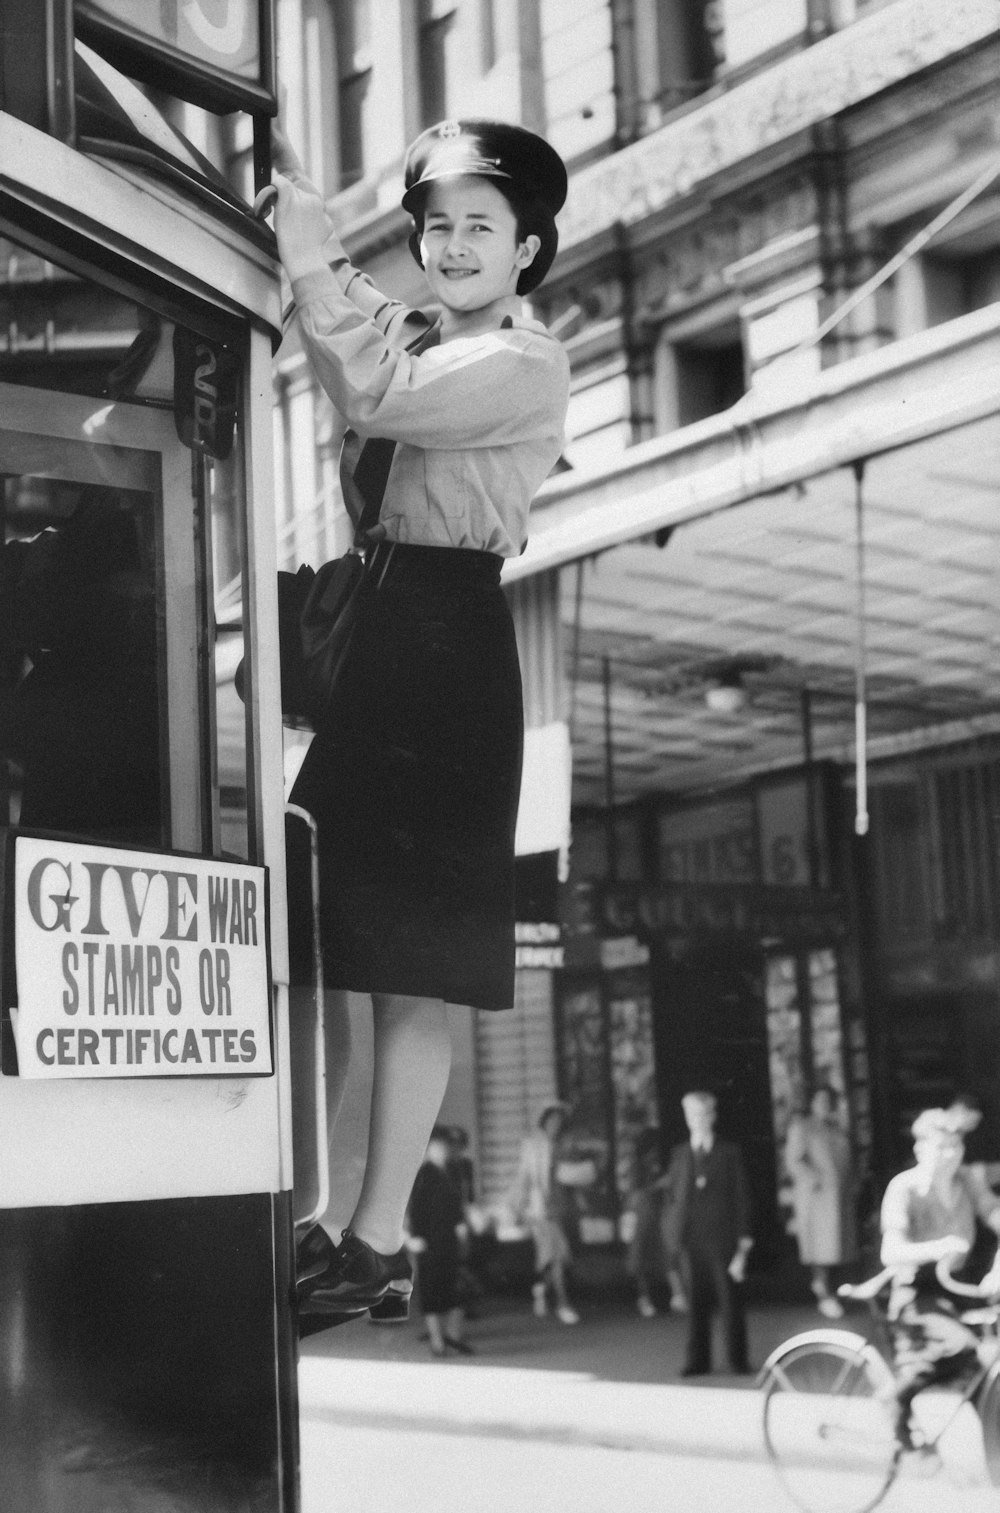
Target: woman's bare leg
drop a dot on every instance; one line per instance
(821, 1281)
(455, 1325)
(435, 1333)
(557, 1272)
(412, 1059)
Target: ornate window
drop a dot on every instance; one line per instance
(354, 70)
(434, 21)
(678, 46)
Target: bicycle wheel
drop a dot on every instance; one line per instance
(828, 1423)
(988, 1406)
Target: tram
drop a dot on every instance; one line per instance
(147, 1338)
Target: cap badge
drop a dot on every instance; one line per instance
(449, 129)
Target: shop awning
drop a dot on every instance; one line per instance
(768, 588)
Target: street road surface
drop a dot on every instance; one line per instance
(361, 1470)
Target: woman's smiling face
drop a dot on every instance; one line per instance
(469, 244)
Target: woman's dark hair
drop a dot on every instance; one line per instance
(532, 220)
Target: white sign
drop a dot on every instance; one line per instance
(538, 945)
(549, 957)
(132, 964)
(546, 784)
(625, 951)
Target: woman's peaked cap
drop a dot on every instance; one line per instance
(528, 171)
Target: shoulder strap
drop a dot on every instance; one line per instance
(371, 473)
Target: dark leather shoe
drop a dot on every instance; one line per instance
(313, 1253)
(394, 1307)
(695, 1369)
(357, 1278)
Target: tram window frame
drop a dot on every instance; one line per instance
(136, 470)
(203, 834)
(144, 55)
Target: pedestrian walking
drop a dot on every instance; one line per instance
(437, 1228)
(653, 1262)
(479, 1232)
(413, 773)
(545, 1203)
(818, 1158)
(711, 1220)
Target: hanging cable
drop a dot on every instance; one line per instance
(609, 775)
(916, 244)
(860, 669)
(864, 291)
(574, 680)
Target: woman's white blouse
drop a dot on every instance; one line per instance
(479, 420)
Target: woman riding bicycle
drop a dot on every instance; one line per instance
(929, 1215)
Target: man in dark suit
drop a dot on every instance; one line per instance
(709, 1205)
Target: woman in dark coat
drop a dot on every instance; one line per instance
(414, 776)
(437, 1226)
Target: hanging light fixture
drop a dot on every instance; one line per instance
(727, 697)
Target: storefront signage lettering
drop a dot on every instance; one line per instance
(536, 933)
(713, 844)
(764, 912)
(538, 945)
(793, 845)
(131, 964)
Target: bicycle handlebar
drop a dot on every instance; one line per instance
(965, 1289)
(863, 1292)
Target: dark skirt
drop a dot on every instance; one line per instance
(414, 780)
(437, 1282)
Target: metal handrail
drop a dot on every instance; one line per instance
(319, 1028)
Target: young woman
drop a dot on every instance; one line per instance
(414, 776)
(929, 1214)
(546, 1205)
(818, 1157)
(437, 1229)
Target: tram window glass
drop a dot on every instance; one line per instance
(81, 732)
(113, 535)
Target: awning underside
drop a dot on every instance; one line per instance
(770, 587)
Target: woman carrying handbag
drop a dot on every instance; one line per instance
(414, 772)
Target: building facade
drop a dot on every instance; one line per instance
(757, 614)
(775, 520)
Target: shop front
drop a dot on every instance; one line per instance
(780, 634)
(711, 975)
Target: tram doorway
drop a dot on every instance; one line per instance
(146, 1346)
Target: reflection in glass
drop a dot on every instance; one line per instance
(81, 726)
(117, 718)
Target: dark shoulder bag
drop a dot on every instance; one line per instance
(330, 609)
(318, 611)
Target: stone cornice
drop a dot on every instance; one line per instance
(853, 65)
